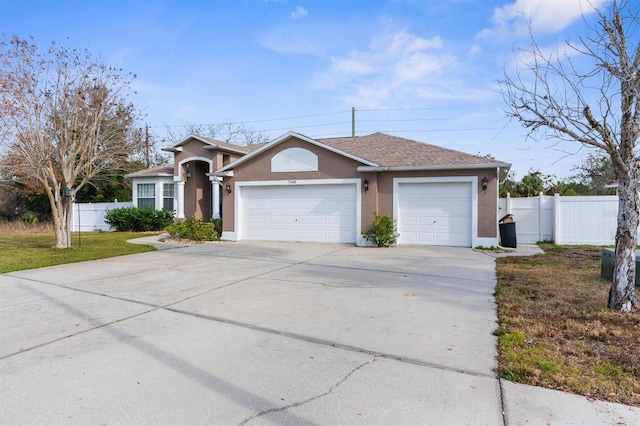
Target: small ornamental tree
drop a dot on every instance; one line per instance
(63, 120)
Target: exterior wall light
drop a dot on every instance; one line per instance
(228, 188)
(365, 185)
(485, 182)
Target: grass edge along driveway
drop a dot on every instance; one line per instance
(555, 330)
(20, 252)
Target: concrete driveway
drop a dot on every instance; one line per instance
(254, 333)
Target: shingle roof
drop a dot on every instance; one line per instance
(393, 151)
(162, 170)
(231, 146)
(214, 144)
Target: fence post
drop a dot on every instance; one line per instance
(556, 219)
(540, 216)
(508, 206)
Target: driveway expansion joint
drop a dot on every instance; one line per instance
(68, 336)
(313, 398)
(503, 408)
(323, 342)
(386, 271)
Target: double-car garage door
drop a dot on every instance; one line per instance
(314, 213)
(428, 213)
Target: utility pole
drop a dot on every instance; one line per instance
(353, 122)
(146, 146)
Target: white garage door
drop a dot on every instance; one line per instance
(317, 213)
(435, 213)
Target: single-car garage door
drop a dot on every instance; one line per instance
(435, 213)
(315, 213)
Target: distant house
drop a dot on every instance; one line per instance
(297, 188)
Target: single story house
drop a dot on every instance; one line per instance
(296, 188)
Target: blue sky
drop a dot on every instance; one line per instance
(425, 70)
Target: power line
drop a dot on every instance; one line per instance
(335, 123)
(366, 132)
(471, 129)
(259, 121)
(407, 119)
(304, 127)
(410, 109)
(300, 116)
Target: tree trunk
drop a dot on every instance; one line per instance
(622, 296)
(61, 210)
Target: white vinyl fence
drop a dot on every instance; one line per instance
(565, 220)
(89, 217)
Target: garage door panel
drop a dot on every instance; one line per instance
(334, 220)
(435, 213)
(323, 213)
(424, 238)
(426, 205)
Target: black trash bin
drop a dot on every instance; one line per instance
(507, 231)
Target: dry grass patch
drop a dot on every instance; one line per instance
(556, 331)
(19, 228)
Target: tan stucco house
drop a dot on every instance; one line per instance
(296, 188)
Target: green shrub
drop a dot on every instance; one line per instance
(136, 219)
(29, 219)
(383, 232)
(218, 225)
(194, 229)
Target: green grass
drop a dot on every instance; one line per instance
(19, 252)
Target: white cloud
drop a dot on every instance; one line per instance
(547, 16)
(475, 50)
(393, 66)
(351, 66)
(283, 41)
(403, 43)
(300, 12)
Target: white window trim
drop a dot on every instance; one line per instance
(295, 159)
(157, 181)
(154, 197)
(173, 197)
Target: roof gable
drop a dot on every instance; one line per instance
(287, 136)
(211, 144)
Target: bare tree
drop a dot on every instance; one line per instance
(598, 105)
(63, 120)
(147, 149)
(228, 131)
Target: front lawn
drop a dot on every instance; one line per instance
(18, 252)
(556, 331)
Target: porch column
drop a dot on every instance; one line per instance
(215, 197)
(180, 198)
